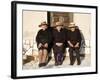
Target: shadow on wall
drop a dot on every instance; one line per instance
(82, 47)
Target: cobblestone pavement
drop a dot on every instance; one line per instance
(34, 64)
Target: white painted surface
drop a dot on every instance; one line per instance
(31, 22)
(84, 23)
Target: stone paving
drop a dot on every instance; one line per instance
(34, 64)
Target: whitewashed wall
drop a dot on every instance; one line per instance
(31, 20)
(84, 23)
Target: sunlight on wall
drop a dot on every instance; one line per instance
(31, 20)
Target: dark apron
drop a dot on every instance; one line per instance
(58, 53)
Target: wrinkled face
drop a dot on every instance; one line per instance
(58, 28)
(44, 27)
(73, 29)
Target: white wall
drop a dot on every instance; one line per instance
(31, 21)
(83, 21)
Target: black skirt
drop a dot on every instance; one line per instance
(58, 49)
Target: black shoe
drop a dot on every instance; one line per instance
(56, 64)
(43, 64)
(78, 63)
(40, 65)
(71, 63)
(60, 63)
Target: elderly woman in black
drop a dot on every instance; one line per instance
(59, 38)
(74, 42)
(43, 39)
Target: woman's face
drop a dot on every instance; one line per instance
(44, 27)
(58, 28)
(72, 27)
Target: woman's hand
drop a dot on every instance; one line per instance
(70, 44)
(46, 45)
(59, 44)
(39, 45)
(77, 45)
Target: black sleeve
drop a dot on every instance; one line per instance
(79, 36)
(37, 38)
(53, 36)
(68, 35)
(50, 37)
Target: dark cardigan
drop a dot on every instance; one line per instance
(74, 36)
(44, 36)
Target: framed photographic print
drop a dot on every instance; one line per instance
(50, 39)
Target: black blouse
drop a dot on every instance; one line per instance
(74, 36)
(59, 36)
(44, 36)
